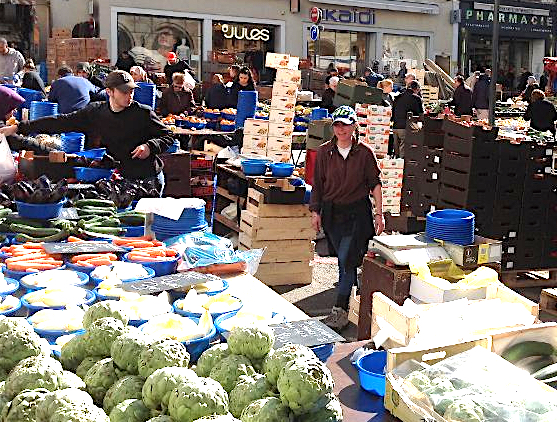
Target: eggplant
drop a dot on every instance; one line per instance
(21, 193)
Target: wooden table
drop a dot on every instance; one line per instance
(358, 405)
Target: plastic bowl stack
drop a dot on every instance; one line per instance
(86, 174)
(94, 154)
(145, 94)
(254, 167)
(455, 226)
(247, 104)
(73, 142)
(192, 219)
(29, 95)
(39, 211)
(371, 369)
(40, 109)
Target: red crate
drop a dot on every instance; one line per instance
(201, 163)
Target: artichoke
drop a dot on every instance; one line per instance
(101, 335)
(228, 370)
(81, 413)
(419, 380)
(73, 352)
(210, 357)
(85, 365)
(269, 409)
(158, 386)
(23, 407)
(218, 418)
(279, 358)
(68, 398)
(131, 410)
(247, 390)
(161, 418)
(304, 385)
(253, 341)
(127, 347)
(3, 398)
(100, 378)
(70, 380)
(196, 398)
(106, 308)
(31, 373)
(332, 412)
(161, 354)
(18, 341)
(125, 388)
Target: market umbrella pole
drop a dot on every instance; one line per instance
(494, 62)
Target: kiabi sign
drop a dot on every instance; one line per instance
(361, 17)
(244, 33)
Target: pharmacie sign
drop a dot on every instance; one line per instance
(243, 32)
(480, 16)
(357, 16)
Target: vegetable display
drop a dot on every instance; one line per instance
(40, 191)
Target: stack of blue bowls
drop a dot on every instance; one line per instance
(191, 220)
(319, 113)
(145, 94)
(73, 142)
(29, 95)
(455, 226)
(40, 109)
(247, 104)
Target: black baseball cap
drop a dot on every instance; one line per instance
(121, 80)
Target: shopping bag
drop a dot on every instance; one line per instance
(7, 164)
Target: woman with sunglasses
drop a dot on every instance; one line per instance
(346, 174)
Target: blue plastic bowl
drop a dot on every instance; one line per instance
(12, 311)
(222, 331)
(211, 116)
(90, 297)
(215, 315)
(18, 275)
(301, 119)
(85, 174)
(197, 346)
(458, 218)
(134, 231)
(282, 169)
(79, 268)
(101, 297)
(300, 128)
(13, 285)
(160, 268)
(192, 125)
(83, 280)
(150, 274)
(212, 124)
(177, 294)
(259, 117)
(94, 154)
(230, 117)
(228, 128)
(371, 369)
(324, 351)
(52, 335)
(39, 211)
(254, 168)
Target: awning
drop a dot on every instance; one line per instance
(395, 5)
(21, 2)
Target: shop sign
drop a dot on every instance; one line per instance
(361, 17)
(481, 16)
(239, 32)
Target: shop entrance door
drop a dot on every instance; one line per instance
(345, 50)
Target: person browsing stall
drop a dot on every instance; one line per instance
(9, 101)
(541, 112)
(329, 94)
(346, 173)
(175, 65)
(71, 92)
(244, 82)
(462, 98)
(139, 75)
(408, 101)
(177, 98)
(217, 95)
(31, 79)
(131, 132)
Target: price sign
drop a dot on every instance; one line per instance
(314, 32)
(168, 282)
(316, 14)
(307, 332)
(81, 247)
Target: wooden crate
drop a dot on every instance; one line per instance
(548, 301)
(354, 307)
(279, 250)
(257, 207)
(276, 230)
(530, 278)
(285, 273)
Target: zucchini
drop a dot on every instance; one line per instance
(4, 212)
(532, 365)
(525, 349)
(546, 373)
(114, 231)
(25, 221)
(33, 231)
(132, 220)
(61, 235)
(101, 203)
(107, 222)
(105, 212)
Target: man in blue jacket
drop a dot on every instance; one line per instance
(71, 92)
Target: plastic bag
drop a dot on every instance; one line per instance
(7, 164)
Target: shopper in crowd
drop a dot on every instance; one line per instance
(83, 69)
(408, 101)
(177, 98)
(131, 132)
(532, 85)
(11, 62)
(402, 71)
(346, 173)
(331, 71)
(71, 92)
(472, 79)
(175, 65)
(139, 75)
(523, 79)
(371, 77)
(541, 112)
(329, 94)
(544, 80)
(125, 61)
(462, 98)
(9, 101)
(244, 82)
(217, 95)
(233, 72)
(480, 95)
(387, 86)
(31, 78)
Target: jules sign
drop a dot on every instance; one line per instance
(360, 17)
(240, 32)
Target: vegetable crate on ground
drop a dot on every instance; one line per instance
(286, 234)
(530, 278)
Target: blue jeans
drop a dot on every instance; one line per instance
(341, 236)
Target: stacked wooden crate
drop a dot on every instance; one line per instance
(285, 232)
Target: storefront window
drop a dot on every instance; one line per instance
(403, 48)
(345, 50)
(235, 42)
(149, 39)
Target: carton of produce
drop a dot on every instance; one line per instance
(279, 156)
(255, 141)
(285, 89)
(276, 143)
(289, 75)
(283, 103)
(281, 116)
(281, 129)
(256, 127)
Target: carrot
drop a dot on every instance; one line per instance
(84, 264)
(31, 245)
(87, 256)
(140, 244)
(144, 258)
(98, 261)
(5, 249)
(74, 239)
(27, 266)
(122, 241)
(26, 257)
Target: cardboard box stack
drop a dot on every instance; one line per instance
(392, 171)
(61, 50)
(273, 138)
(374, 127)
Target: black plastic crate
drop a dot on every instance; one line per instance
(465, 197)
(467, 180)
(434, 139)
(433, 156)
(469, 164)
(416, 153)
